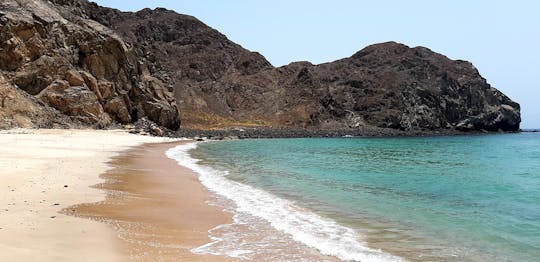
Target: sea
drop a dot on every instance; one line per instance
(447, 198)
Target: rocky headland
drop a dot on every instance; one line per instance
(72, 63)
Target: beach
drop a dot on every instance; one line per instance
(108, 195)
(46, 175)
(158, 208)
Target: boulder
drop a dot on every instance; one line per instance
(116, 107)
(75, 101)
(74, 78)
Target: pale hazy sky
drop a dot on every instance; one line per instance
(501, 38)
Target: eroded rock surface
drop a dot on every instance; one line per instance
(76, 69)
(217, 83)
(116, 66)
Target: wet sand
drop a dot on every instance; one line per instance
(158, 208)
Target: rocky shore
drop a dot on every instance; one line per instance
(284, 132)
(147, 127)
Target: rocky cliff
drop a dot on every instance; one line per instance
(101, 65)
(60, 69)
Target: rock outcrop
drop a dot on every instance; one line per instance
(74, 69)
(217, 83)
(394, 86)
(99, 65)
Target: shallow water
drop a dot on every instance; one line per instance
(466, 198)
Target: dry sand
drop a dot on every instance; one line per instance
(44, 171)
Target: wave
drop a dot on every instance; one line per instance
(308, 228)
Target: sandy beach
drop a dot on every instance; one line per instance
(158, 208)
(44, 173)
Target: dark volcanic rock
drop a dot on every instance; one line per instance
(78, 67)
(392, 85)
(146, 126)
(217, 83)
(132, 63)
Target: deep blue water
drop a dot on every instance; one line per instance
(473, 198)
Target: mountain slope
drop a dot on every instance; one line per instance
(218, 84)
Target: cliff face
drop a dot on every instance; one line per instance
(73, 71)
(145, 58)
(392, 85)
(218, 83)
(210, 75)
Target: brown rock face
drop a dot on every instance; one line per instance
(75, 101)
(218, 83)
(20, 109)
(75, 78)
(77, 66)
(392, 85)
(98, 65)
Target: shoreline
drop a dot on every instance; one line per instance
(105, 195)
(158, 208)
(114, 196)
(284, 132)
(415, 242)
(287, 231)
(43, 171)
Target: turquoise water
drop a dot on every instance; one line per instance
(465, 198)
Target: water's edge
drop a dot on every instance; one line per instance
(304, 226)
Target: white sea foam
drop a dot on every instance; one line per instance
(303, 226)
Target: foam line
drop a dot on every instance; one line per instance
(306, 227)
